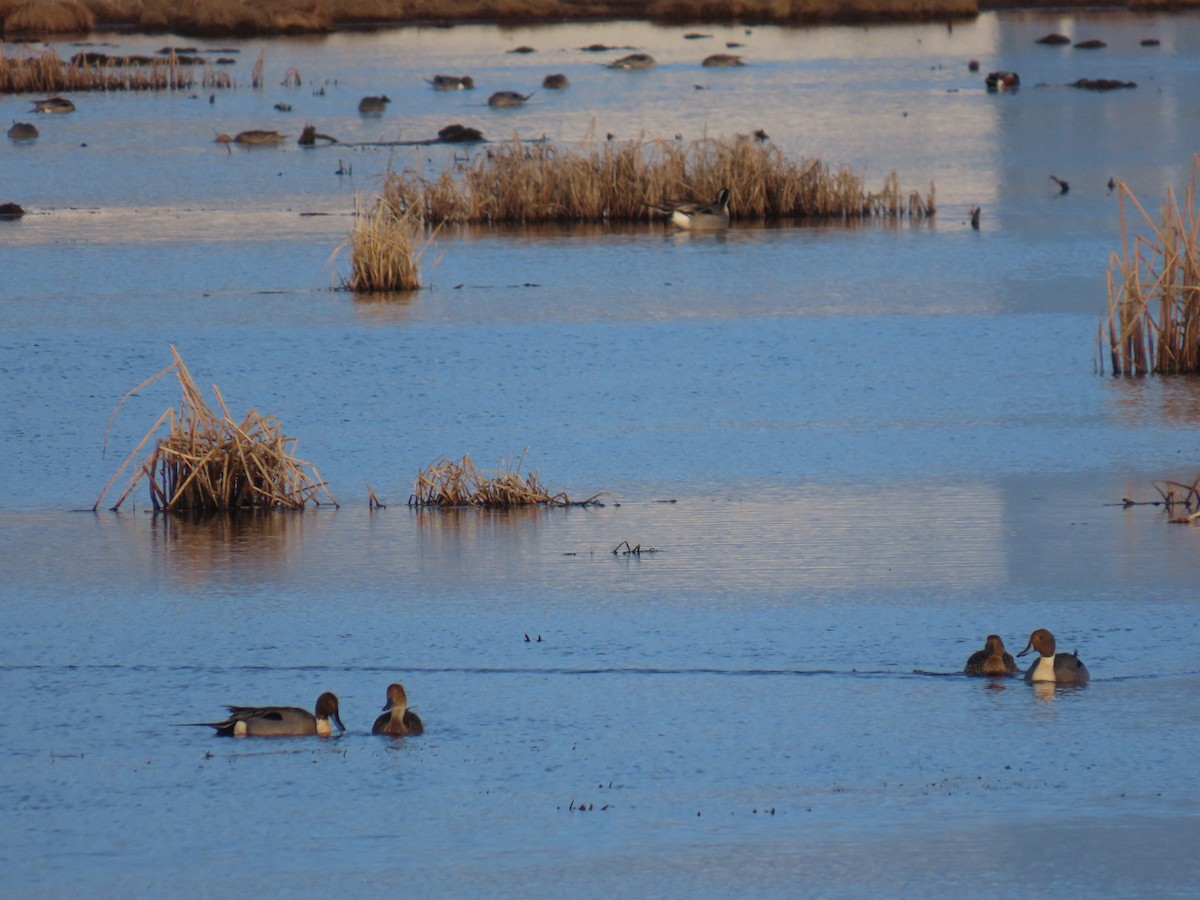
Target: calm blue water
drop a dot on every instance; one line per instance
(854, 453)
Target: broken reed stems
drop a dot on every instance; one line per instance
(47, 73)
(1153, 322)
(208, 462)
(530, 183)
(386, 247)
(447, 483)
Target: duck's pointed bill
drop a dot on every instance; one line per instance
(337, 720)
(1028, 647)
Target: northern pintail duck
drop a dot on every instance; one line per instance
(692, 216)
(22, 131)
(556, 82)
(452, 82)
(53, 105)
(1061, 668)
(634, 61)
(992, 659)
(373, 105)
(272, 721)
(722, 61)
(505, 99)
(397, 718)
(254, 136)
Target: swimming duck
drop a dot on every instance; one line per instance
(53, 105)
(264, 721)
(991, 660)
(1002, 81)
(254, 136)
(692, 216)
(556, 82)
(371, 105)
(722, 60)
(22, 131)
(505, 99)
(634, 61)
(452, 82)
(1062, 668)
(397, 718)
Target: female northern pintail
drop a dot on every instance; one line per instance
(397, 718)
(692, 216)
(22, 131)
(372, 105)
(507, 99)
(1062, 668)
(269, 721)
(992, 659)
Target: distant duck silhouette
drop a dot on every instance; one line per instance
(634, 61)
(452, 82)
(22, 131)
(689, 215)
(722, 60)
(507, 99)
(253, 137)
(556, 82)
(397, 718)
(374, 105)
(975, 217)
(1063, 186)
(1061, 668)
(992, 660)
(1002, 81)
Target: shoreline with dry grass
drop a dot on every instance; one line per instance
(252, 18)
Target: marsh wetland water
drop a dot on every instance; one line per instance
(854, 451)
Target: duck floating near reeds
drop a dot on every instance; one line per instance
(556, 82)
(507, 99)
(1060, 668)
(992, 660)
(452, 82)
(280, 721)
(253, 137)
(634, 61)
(53, 105)
(22, 131)
(722, 60)
(397, 718)
(374, 105)
(689, 215)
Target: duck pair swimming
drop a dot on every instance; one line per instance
(278, 721)
(1061, 668)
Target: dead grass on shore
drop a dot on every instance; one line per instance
(1153, 322)
(450, 483)
(207, 462)
(531, 183)
(47, 73)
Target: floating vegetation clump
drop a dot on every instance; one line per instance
(1154, 290)
(540, 182)
(207, 462)
(47, 73)
(386, 247)
(447, 483)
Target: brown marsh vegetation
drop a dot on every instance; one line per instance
(449, 483)
(538, 182)
(386, 246)
(48, 73)
(1153, 322)
(248, 17)
(207, 462)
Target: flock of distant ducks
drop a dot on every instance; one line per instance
(398, 720)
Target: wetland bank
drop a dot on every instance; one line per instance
(882, 443)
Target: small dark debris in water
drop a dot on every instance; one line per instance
(527, 637)
(1111, 183)
(212, 98)
(669, 500)
(1063, 186)
(344, 169)
(699, 87)
(601, 48)
(283, 107)
(208, 754)
(733, 45)
(456, 133)
(695, 36)
(975, 217)
(11, 211)
(524, 48)
(1102, 84)
(1150, 42)
(760, 135)
(1092, 44)
(973, 65)
(1053, 39)
(309, 136)
(628, 550)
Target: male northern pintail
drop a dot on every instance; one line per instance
(397, 718)
(992, 659)
(634, 61)
(265, 721)
(692, 216)
(53, 105)
(1062, 668)
(452, 82)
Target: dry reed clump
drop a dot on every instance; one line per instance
(38, 17)
(446, 483)
(386, 247)
(48, 73)
(208, 463)
(1153, 322)
(530, 183)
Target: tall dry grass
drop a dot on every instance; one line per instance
(207, 462)
(386, 247)
(48, 73)
(450, 483)
(530, 183)
(1153, 322)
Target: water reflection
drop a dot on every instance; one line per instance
(202, 548)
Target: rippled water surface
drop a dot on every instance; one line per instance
(847, 454)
